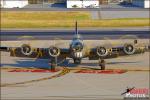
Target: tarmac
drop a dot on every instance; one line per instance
(67, 34)
(67, 84)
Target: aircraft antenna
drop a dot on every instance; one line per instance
(76, 28)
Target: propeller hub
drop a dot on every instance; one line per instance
(102, 51)
(129, 49)
(26, 49)
(54, 51)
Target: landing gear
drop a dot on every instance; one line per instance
(52, 64)
(77, 61)
(102, 64)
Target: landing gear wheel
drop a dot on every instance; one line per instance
(103, 67)
(52, 65)
(77, 61)
(102, 64)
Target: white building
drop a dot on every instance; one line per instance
(141, 3)
(82, 3)
(13, 3)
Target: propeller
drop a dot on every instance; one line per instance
(129, 49)
(102, 51)
(26, 49)
(105, 48)
(28, 44)
(129, 44)
(54, 50)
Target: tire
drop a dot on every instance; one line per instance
(77, 61)
(102, 67)
(53, 65)
(102, 64)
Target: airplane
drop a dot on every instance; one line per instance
(77, 51)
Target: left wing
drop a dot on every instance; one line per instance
(113, 52)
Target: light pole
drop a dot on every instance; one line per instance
(99, 11)
(42, 3)
(82, 3)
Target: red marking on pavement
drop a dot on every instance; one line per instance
(102, 71)
(80, 71)
(33, 70)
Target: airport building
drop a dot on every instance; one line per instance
(97, 3)
(90, 3)
(65, 1)
(13, 3)
(72, 3)
(82, 3)
(45, 1)
(110, 1)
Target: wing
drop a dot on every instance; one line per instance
(114, 52)
(41, 53)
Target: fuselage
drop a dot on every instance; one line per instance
(77, 47)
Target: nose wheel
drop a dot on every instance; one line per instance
(102, 64)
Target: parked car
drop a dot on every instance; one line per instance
(93, 6)
(75, 6)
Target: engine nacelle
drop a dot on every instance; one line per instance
(26, 49)
(102, 51)
(129, 49)
(54, 51)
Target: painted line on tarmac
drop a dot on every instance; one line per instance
(33, 70)
(102, 71)
(133, 70)
(137, 70)
(66, 70)
(10, 68)
(63, 72)
(83, 69)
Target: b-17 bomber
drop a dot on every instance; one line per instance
(77, 51)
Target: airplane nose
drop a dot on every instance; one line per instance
(77, 47)
(78, 54)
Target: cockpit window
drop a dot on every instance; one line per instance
(77, 46)
(77, 37)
